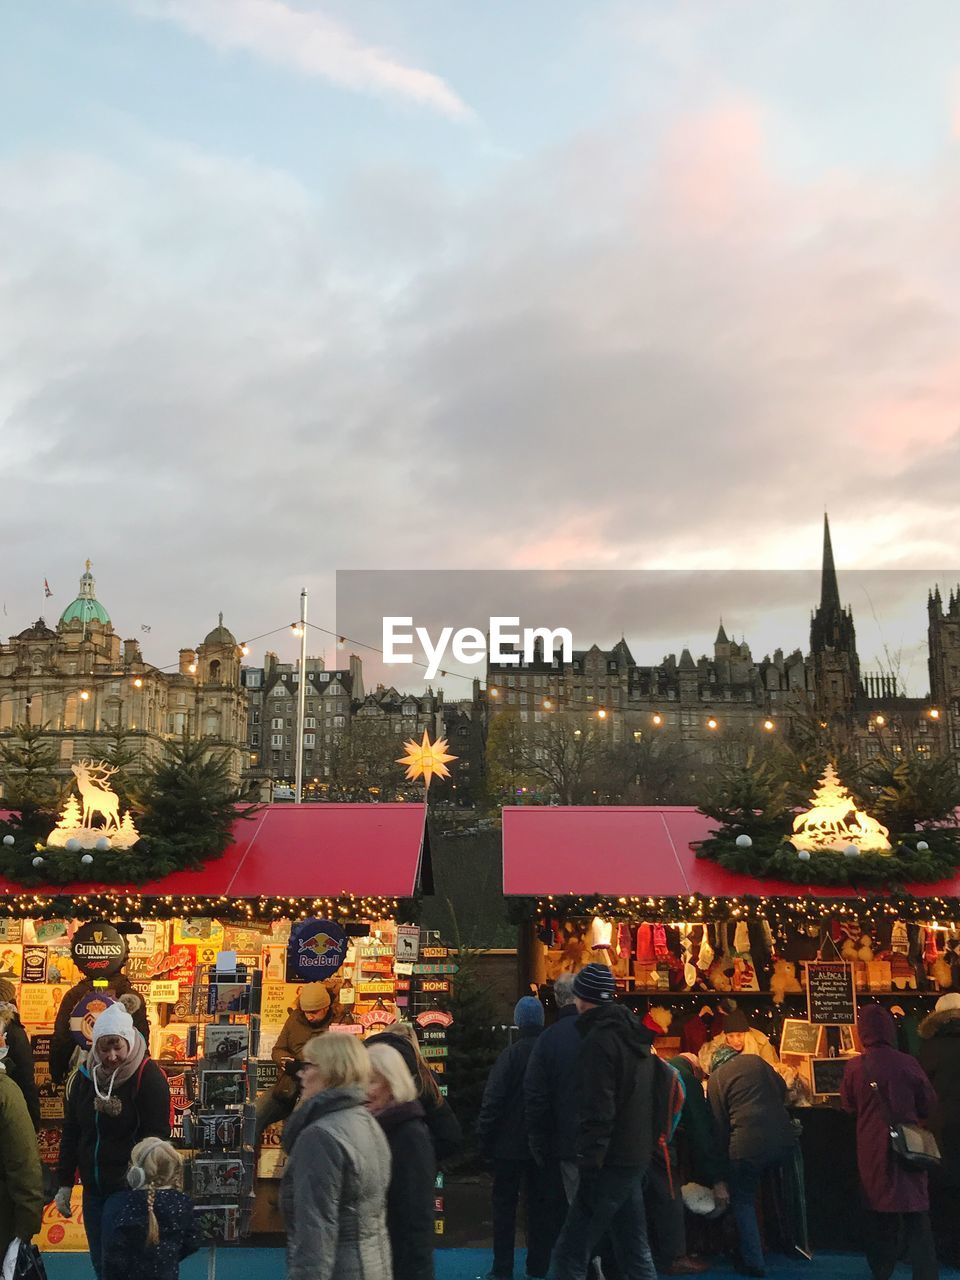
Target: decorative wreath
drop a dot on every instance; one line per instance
(918, 857)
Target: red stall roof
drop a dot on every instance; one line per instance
(301, 851)
(633, 852)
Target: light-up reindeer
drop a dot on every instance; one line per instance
(96, 797)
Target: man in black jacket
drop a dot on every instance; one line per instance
(615, 1132)
(502, 1131)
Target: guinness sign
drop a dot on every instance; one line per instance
(98, 950)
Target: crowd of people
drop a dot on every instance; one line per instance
(628, 1162)
(618, 1155)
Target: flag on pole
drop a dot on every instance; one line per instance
(46, 589)
(144, 627)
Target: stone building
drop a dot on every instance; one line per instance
(271, 693)
(83, 685)
(720, 704)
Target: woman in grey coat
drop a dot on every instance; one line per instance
(334, 1190)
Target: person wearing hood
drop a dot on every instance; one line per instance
(939, 1056)
(615, 1132)
(392, 1099)
(502, 1133)
(19, 1059)
(885, 1087)
(118, 1097)
(444, 1127)
(309, 1017)
(21, 1180)
(333, 1195)
(63, 1048)
(748, 1101)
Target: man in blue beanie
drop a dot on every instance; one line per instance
(502, 1130)
(615, 1132)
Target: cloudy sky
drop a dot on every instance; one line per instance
(287, 288)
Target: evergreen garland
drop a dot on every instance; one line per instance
(188, 808)
(772, 857)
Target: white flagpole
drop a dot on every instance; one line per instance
(301, 697)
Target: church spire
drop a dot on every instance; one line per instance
(829, 590)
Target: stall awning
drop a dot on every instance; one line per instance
(301, 851)
(632, 852)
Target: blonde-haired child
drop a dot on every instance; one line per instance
(149, 1229)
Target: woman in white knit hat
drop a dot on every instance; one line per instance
(118, 1097)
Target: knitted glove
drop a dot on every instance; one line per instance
(62, 1201)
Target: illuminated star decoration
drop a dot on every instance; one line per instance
(424, 759)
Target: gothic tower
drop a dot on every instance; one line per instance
(943, 639)
(833, 646)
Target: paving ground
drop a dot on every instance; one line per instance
(453, 1264)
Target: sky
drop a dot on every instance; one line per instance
(293, 288)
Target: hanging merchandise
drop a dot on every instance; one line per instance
(601, 941)
(706, 954)
(899, 938)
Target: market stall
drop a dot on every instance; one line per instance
(217, 955)
(689, 941)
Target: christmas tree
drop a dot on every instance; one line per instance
(72, 816)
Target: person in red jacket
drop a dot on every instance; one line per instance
(896, 1195)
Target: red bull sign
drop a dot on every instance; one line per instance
(317, 949)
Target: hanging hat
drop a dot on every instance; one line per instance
(314, 998)
(947, 1003)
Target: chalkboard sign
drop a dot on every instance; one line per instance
(831, 999)
(828, 1075)
(799, 1037)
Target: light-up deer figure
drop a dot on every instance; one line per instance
(96, 797)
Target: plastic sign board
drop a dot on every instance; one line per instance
(98, 950)
(316, 950)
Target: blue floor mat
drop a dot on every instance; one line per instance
(462, 1264)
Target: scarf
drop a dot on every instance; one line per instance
(105, 1082)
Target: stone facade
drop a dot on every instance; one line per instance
(83, 684)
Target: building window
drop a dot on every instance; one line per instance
(308, 740)
(276, 740)
(338, 722)
(310, 722)
(276, 722)
(255, 715)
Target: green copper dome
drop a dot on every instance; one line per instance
(86, 608)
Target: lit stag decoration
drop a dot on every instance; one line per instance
(75, 829)
(833, 822)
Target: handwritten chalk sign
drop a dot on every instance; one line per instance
(831, 997)
(828, 1075)
(799, 1037)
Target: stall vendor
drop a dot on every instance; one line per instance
(744, 1038)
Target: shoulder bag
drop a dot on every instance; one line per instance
(915, 1148)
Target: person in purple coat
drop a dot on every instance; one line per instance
(895, 1194)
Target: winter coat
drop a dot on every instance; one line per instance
(697, 1131)
(502, 1124)
(940, 1058)
(62, 1043)
(297, 1033)
(550, 1089)
(125, 1249)
(615, 1088)
(19, 1060)
(334, 1190)
(907, 1098)
(412, 1191)
(99, 1144)
(747, 1099)
(21, 1180)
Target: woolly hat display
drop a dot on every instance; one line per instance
(947, 1003)
(698, 1199)
(314, 998)
(722, 1055)
(528, 1012)
(115, 1021)
(595, 984)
